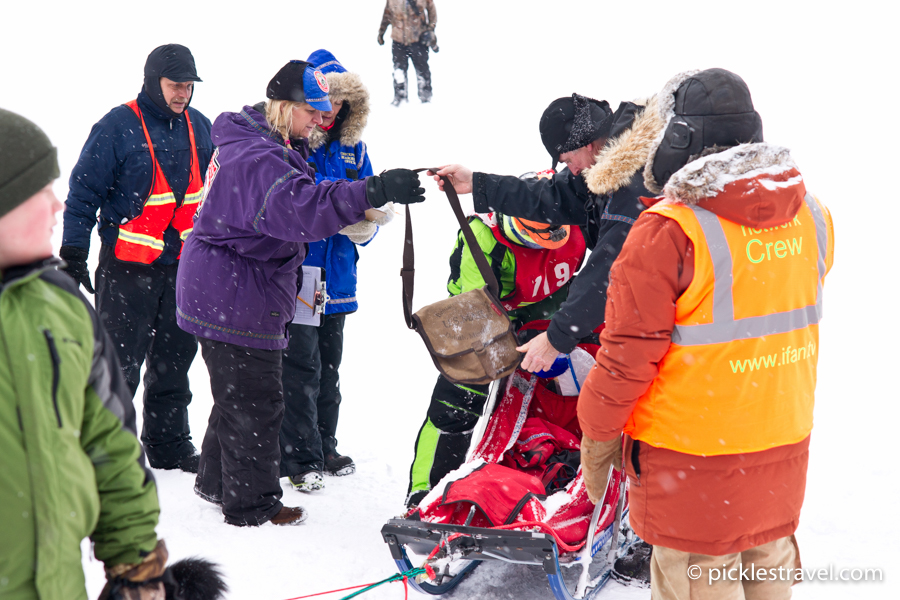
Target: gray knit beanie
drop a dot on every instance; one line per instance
(27, 160)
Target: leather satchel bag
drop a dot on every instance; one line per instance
(469, 336)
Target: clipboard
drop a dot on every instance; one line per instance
(311, 298)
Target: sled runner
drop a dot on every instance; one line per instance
(519, 498)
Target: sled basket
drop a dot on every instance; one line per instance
(504, 504)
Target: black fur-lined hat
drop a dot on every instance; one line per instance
(574, 122)
(703, 111)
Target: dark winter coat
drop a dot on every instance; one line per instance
(237, 281)
(71, 464)
(340, 153)
(114, 173)
(605, 201)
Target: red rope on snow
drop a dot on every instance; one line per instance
(354, 587)
(404, 576)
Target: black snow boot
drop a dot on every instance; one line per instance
(634, 567)
(338, 465)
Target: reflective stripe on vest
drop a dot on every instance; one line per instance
(141, 239)
(740, 373)
(725, 327)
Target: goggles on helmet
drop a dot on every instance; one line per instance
(532, 234)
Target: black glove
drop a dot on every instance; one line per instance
(397, 185)
(381, 39)
(77, 265)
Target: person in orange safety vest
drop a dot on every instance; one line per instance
(143, 169)
(708, 358)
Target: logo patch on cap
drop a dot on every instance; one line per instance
(321, 80)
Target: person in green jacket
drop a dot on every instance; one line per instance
(533, 263)
(70, 464)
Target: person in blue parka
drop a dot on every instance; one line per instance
(310, 378)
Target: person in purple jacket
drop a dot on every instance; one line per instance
(237, 281)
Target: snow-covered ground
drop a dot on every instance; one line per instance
(822, 78)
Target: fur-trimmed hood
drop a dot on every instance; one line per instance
(625, 155)
(757, 185)
(707, 177)
(348, 87)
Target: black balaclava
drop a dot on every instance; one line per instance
(574, 122)
(174, 62)
(712, 109)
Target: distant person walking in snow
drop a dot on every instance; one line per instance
(143, 168)
(237, 284)
(312, 393)
(70, 462)
(412, 23)
(708, 358)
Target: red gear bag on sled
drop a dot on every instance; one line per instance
(520, 497)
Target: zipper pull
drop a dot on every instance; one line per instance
(55, 361)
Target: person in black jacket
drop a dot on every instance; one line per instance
(143, 168)
(599, 190)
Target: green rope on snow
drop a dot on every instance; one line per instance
(396, 577)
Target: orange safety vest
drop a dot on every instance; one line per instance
(141, 239)
(740, 373)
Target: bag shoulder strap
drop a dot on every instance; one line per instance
(408, 272)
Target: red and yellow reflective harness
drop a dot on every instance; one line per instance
(141, 239)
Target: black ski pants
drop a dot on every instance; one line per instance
(137, 305)
(402, 54)
(444, 438)
(240, 458)
(312, 394)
